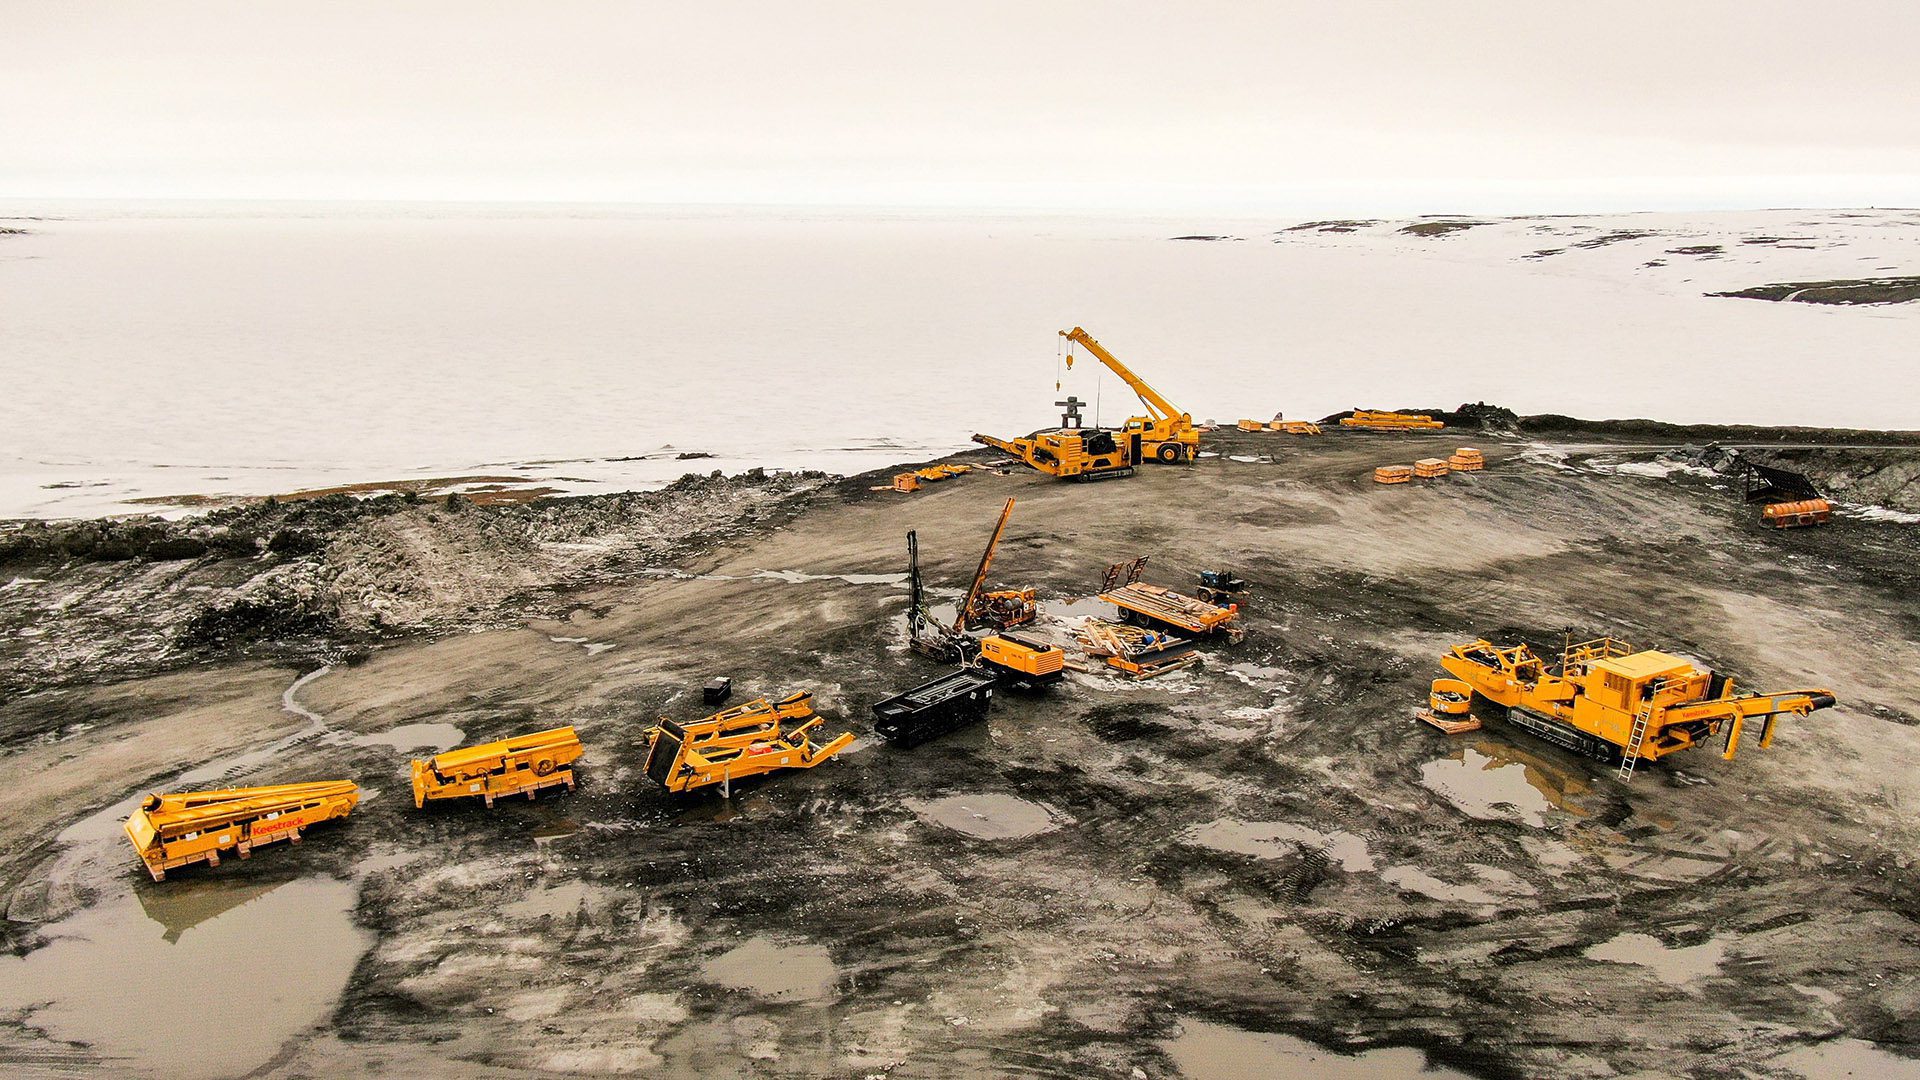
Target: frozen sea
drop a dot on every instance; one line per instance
(164, 350)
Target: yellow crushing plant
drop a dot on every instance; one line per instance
(1605, 699)
(1073, 453)
(743, 741)
(170, 831)
(496, 770)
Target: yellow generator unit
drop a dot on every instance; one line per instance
(1374, 420)
(1607, 700)
(906, 481)
(1023, 659)
(743, 741)
(496, 770)
(176, 830)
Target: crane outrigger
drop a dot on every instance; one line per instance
(1166, 433)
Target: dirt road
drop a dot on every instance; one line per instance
(1261, 859)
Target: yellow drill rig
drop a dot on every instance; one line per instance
(1607, 700)
(1011, 656)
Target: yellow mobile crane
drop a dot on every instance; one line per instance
(1166, 433)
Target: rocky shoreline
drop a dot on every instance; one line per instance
(323, 580)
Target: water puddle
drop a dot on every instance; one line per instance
(790, 577)
(435, 737)
(1258, 676)
(1084, 608)
(558, 901)
(206, 992)
(1675, 966)
(106, 825)
(1208, 1051)
(776, 970)
(594, 648)
(1848, 1058)
(1414, 879)
(987, 816)
(188, 902)
(1493, 781)
(796, 577)
(1272, 839)
(554, 830)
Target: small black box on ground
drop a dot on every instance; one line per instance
(717, 691)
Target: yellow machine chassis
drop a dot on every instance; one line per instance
(170, 831)
(495, 770)
(744, 741)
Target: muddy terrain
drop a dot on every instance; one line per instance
(1258, 866)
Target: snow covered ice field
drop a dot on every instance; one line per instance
(165, 351)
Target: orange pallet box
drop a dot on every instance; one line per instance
(1428, 468)
(1393, 474)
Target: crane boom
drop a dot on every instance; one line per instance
(1160, 408)
(980, 575)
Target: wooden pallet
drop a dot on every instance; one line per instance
(1451, 727)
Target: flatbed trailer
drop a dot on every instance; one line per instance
(1154, 605)
(935, 708)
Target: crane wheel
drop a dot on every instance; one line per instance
(543, 766)
(1170, 453)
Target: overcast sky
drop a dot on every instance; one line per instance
(1325, 105)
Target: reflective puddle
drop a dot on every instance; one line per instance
(1414, 879)
(989, 817)
(1273, 839)
(1669, 965)
(560, 900)
(434, 737)
(1083, 608)
(776, 970)
(554, 830)
(1207, 1051)
(1492, 780)
(1848, 1058)
(215, 988)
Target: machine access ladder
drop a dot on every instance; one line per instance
(1630, 755)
